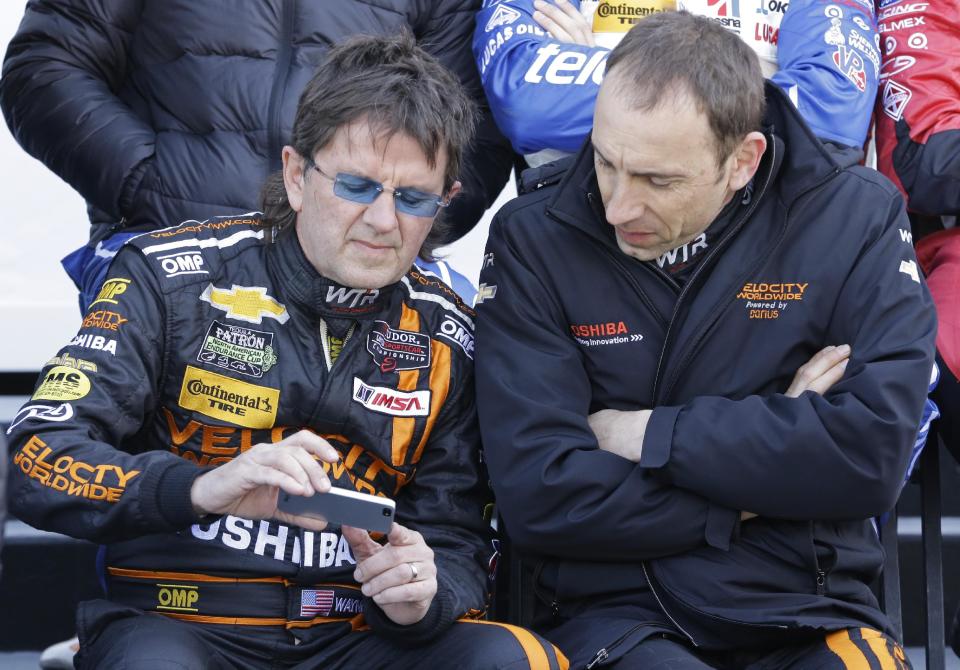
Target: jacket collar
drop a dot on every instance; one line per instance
(300, 283)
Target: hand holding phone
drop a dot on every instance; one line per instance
(342, 507)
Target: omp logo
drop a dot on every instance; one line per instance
(59, 413)
(103, 319)
(391, 401)
(456, 332)
(95, 342)
(228, 399)
(63, 383)
(503, 15)
(566, 67)
(182, 263)
(71, 476)
(177, 597)
(245, 303)
(111, 290)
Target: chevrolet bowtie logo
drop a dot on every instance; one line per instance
(485, 292)
(245, 303)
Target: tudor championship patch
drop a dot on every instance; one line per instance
(244, 350)
(398, 349)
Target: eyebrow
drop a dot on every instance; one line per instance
(641, 173)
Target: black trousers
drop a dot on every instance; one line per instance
(115, 636)
(627, 643)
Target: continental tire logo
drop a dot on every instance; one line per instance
(228, 399)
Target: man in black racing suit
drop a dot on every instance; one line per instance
(224, 362)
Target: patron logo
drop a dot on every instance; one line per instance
(95, 342)
(103, 319)
(57, 413)
(398, 349)
(182, 263)
(390, 401)
(71, 362)
(249, 352)
(111, 290)
(459, 334)
(228, 399)
(245, 303)
(63, 383)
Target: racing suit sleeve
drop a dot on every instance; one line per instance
(488, 160)
(57, 93)
(445, 503)
(841, 455)
(829, 62)
(77, 464)
(556, 491)
(541, 90)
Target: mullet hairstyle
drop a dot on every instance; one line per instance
(395, 86)
(677, 54)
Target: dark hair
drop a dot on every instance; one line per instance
(677, 53)
(398, 88)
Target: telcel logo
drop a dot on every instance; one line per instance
(566, 67)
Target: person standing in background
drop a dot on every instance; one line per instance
(160, 111)
(541, 63)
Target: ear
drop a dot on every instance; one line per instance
(746, 159)
(453, 191)
(294, 173)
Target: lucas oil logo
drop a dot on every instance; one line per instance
(398, 349)
(249, 352)
(390, 401)
(227, 399)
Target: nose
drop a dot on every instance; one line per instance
(624, 205)
(381, 214)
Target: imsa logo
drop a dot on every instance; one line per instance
(390, 401)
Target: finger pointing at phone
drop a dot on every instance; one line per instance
(399, 576)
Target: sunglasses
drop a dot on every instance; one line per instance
(365, 191)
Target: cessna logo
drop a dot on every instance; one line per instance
(245, 303)
(390, 401)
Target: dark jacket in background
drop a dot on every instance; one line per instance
(159, 111)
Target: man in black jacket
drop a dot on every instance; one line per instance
(216, 371)
(640, 318)
(160, 111)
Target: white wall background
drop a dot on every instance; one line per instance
(45, 220)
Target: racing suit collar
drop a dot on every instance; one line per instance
(337, 304)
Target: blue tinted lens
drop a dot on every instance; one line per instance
(356, 189)
(416, 202)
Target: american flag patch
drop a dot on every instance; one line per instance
(315, 603)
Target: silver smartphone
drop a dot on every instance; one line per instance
(342, 507)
